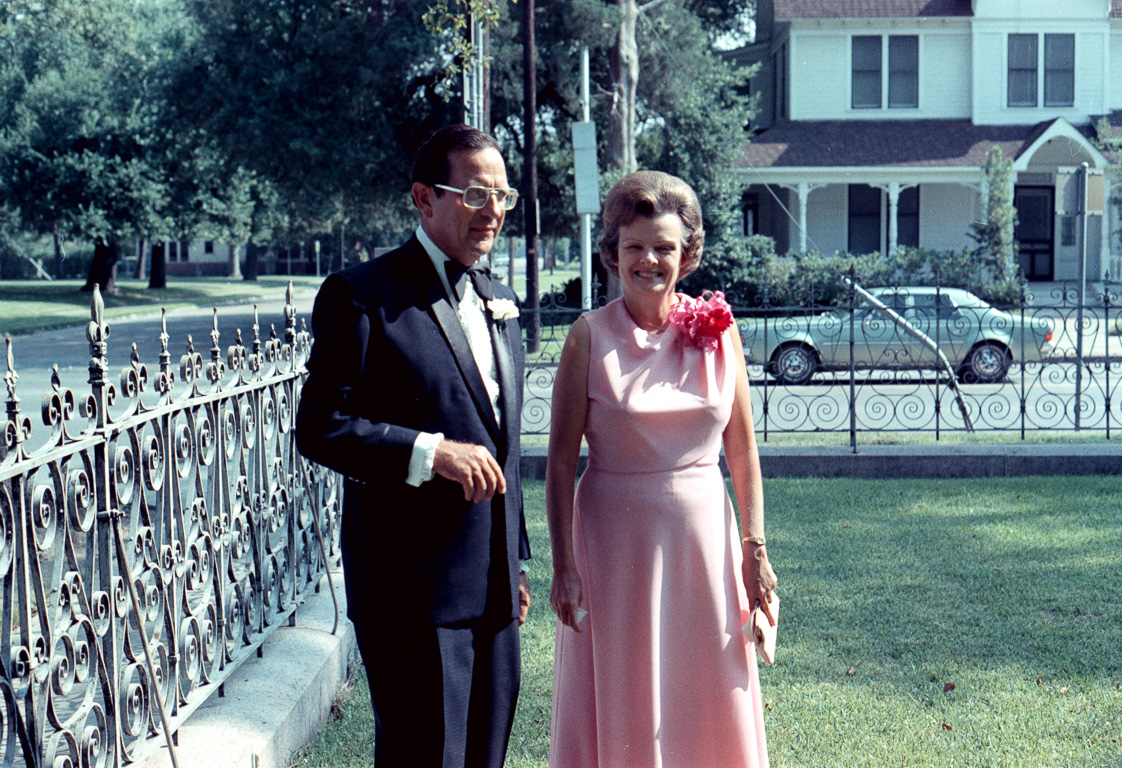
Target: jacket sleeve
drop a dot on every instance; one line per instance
(334, 426)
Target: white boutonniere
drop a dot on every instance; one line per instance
(502, 309)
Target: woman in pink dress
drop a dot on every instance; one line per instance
(651, 579)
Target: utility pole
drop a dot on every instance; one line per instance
(532, 317)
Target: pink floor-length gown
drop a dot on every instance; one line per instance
(661, 675)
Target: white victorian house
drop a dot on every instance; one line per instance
(876, 117)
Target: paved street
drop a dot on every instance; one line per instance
(35, 353)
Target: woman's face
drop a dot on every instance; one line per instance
(650, 254)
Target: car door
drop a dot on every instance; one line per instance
(879, 342)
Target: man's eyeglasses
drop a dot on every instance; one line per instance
(477, 197)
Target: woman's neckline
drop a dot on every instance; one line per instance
(650, 331)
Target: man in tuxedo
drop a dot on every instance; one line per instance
(414, 394)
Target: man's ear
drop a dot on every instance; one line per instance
(422, 198)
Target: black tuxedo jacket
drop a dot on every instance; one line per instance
(391, 360)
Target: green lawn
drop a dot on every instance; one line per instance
(925, 623)
(28, 305)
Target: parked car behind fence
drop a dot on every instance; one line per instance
(980, 341)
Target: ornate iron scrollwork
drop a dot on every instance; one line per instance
(217, 514)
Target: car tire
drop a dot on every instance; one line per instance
(793, 364)
(987, 363)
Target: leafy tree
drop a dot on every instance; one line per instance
(326, 101)
(689, 117)
(81, 150)
(994, 236)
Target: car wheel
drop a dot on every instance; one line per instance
(987, 363)
(794, 364)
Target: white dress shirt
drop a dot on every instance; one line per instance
(474, 322)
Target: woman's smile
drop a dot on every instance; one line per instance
(650, 253)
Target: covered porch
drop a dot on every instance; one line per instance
(874, 186)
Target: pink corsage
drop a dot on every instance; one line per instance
(703, 320)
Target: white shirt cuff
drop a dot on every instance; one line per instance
(424, 452)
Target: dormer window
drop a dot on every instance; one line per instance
(869, 67)
(1026, 65)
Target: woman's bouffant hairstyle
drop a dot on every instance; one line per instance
(651, 194)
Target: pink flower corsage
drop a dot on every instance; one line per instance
(703, 320)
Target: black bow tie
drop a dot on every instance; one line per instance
(480, 280)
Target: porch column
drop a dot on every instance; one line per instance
(893, 211)
(804, 193)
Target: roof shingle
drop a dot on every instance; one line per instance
(884, 143)
(905, 9)
(834, 9)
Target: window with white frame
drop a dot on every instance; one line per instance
(1059, 70)
(866, 72)
(1029, 62)
(871, 75)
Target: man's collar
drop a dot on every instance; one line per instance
(438, 258)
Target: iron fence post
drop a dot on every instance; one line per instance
(1079, 361)
(1106, 348)
(1024, 401)
(938, 342)
(767, 391)
(852, 350)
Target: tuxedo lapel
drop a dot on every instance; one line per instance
(449, 322)
(509, 401)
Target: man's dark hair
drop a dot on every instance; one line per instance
(430, 166)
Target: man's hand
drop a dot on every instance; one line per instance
(472, 466)
(523, 598)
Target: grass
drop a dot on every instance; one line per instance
(30, 305)
(925, 623)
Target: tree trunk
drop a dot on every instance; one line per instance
(342, 247)
(623, 59)
(60, 254)
(158, 277)
(141, 256)
(252, 254)
(103, 268)
(235, 262)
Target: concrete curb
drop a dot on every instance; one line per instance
(273, 704)
(914, 461)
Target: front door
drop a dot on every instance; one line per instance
(1036, 217)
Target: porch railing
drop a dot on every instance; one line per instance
(166, 528)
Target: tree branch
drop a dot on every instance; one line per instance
(650, 5)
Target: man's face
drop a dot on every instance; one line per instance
(464, 234)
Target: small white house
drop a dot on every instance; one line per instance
(876, 116)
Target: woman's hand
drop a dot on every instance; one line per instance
(565, 597)
(759, 578)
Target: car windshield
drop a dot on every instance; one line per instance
(902, 299)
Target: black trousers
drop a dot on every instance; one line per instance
(443, 697)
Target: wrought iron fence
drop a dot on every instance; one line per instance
(151, 546)
(1045, 363)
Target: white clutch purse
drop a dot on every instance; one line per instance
(762, 631)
